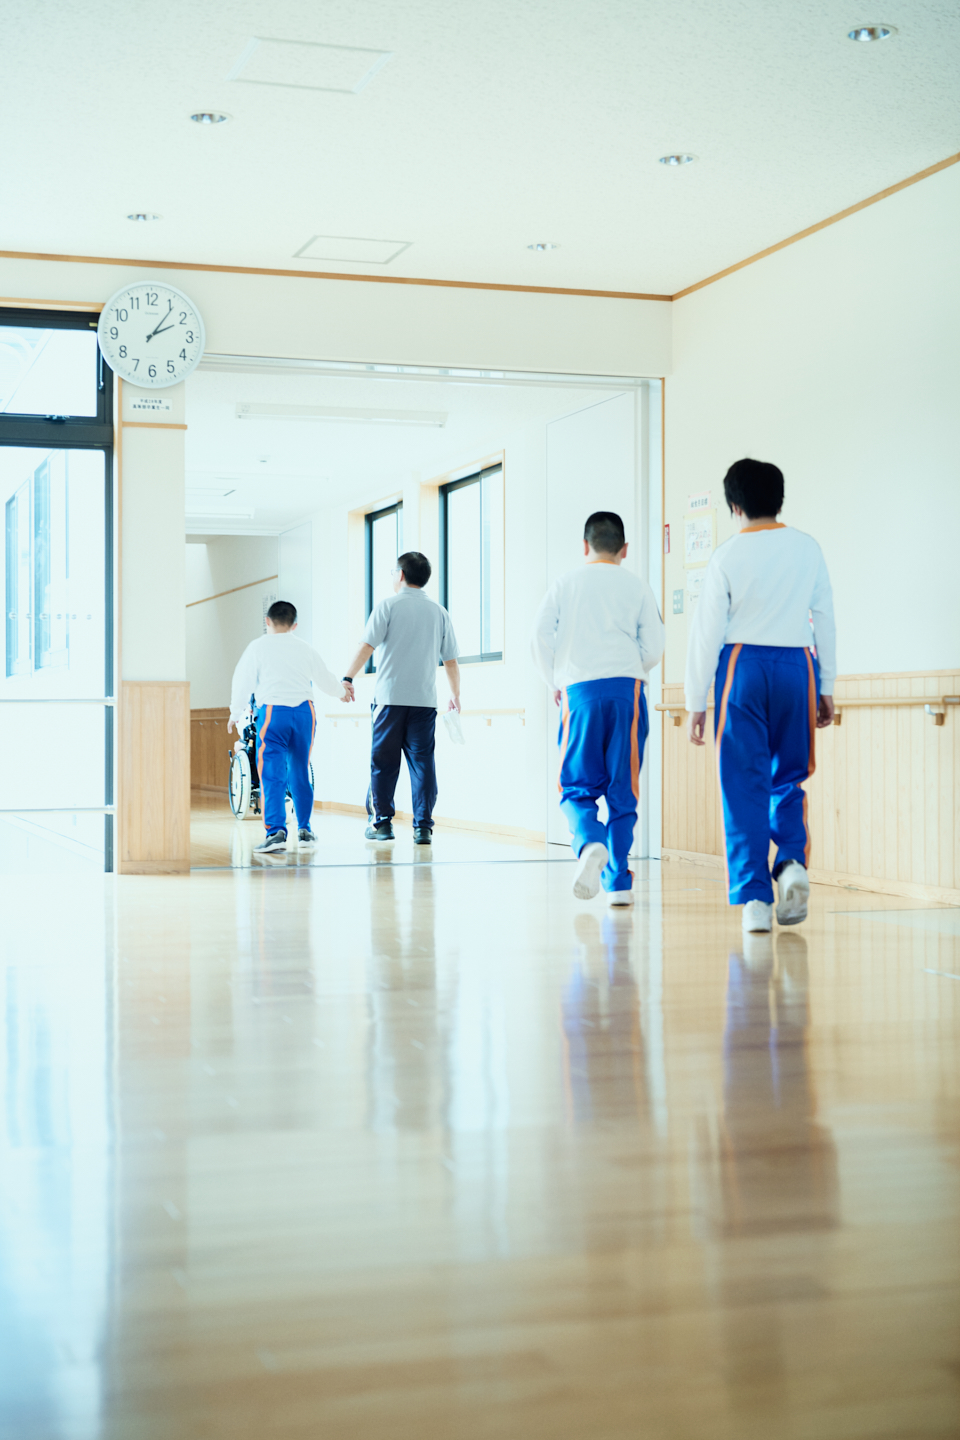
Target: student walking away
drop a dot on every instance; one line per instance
(278, 670)
(411, 634)
(597, 636)
(751, 635)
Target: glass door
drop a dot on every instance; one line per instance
(56, 669)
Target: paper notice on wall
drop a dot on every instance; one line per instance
(699, 537)
(152, 404)
(700, 502)
(695, 580)
(267, 602)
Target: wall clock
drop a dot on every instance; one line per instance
(151, 334)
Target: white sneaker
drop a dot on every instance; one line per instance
(794, 886)
(586, 881)
(619, 897)
(757, 917)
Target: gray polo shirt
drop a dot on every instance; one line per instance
(412, 634)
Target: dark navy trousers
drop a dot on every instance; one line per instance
(408, 730)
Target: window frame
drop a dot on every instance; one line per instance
(369, 520)
(79, 432)
(491, 657)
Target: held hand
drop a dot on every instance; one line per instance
(349, 694)
(454, 703)
(825, 712)
(556, 697)
(696, 724)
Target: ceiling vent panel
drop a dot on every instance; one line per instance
(306, 65)
(355, 248)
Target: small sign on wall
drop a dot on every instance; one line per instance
(700, 537)
(267, 602)
(151, 404)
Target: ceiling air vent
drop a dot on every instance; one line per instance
(306, 65)
(357, 249)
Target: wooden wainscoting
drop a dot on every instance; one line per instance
(210, 749)
(883, 810)
(154, 756)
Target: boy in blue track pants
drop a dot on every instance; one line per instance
(278, 670)
(751, 635)
(598, 634)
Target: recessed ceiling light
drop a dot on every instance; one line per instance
(677, 159)
(866, 33)
(543, 245)
(142, 215)
(210, 117)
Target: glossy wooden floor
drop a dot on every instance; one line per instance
(437, 1153)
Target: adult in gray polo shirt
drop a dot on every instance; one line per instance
(412, 634)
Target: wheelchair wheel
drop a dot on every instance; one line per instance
(240, 786)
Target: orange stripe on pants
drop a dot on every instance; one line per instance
(260, 749)
(564, 735)
(812, 708)
(721, 721)
(635, 741)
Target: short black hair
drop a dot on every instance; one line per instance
(755, 486)
(603, 532)
(416, 567)
(281, 612)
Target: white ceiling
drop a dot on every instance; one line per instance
(279, 471)
(490, 126)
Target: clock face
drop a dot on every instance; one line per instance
(151, 334)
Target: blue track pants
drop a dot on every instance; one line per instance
(408, 730)
(765, 723)
(603, 729)
(284, 741)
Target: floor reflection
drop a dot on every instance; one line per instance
(603, 1053)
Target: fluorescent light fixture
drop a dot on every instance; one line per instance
(866, 33)
(674, 160)
(435, 418)
(142, 215)
(543, 245)
(210, 117)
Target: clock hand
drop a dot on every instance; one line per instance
(156, 328)
(161, 332)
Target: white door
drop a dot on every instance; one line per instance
(592, 464)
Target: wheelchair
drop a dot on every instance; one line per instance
(244, 789)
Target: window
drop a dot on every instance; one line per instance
(471, 558)
(384, 546)
(56, 673)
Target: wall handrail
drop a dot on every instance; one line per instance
(934, 705)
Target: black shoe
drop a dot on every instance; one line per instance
(380, 830)
(276, 840)
(422, 835)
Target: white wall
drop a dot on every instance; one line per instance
(837, 358)
(218, 630)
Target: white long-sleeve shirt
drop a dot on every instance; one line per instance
(279, 670)
(598, 622)
(762, 587)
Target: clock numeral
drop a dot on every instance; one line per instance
(152, 372)
(189, 337)
(136, 362)
(151, 297)
(183, 317)
(183, 354)
(121, 315)
(123, 348)
(114, 332)
(171, 368)
(133, 301)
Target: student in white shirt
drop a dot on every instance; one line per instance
(597, 636)
(276, 672)
(752, 636)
